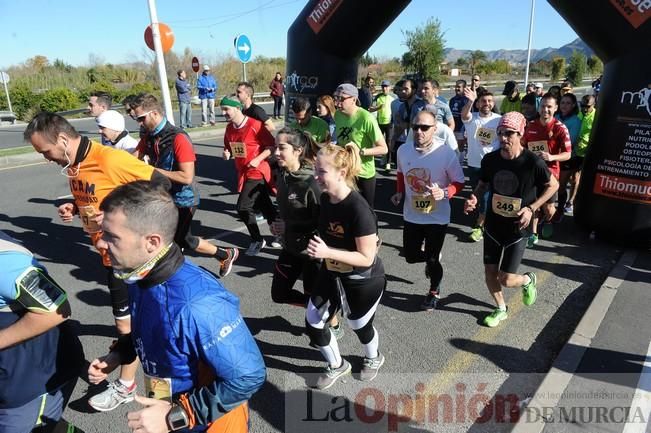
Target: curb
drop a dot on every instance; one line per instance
(555, 382)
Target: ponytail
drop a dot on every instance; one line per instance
(346, 158)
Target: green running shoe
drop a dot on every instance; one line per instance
(533, 240)
(477, 234)
(494, 318)
(529, 292)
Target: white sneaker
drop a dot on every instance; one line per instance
(277, 242)
(255, 247)
(115, 395)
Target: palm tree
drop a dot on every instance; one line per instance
(474, 59)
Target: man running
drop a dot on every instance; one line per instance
(93, 171)
(519, 183)
(170, 150)
(429, 175)
(200, 361)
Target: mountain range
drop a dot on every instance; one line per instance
(520, 56)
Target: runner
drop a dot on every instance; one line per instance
(352, 276)
(170, 150)
(429, 175)
(93, 171)
(550, 140)
(357, 126)
(201, 363)
(298, 202)
(250, 144)
(481, 131)
(40, 357)
(519, 183)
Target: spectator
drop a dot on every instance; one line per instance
(512, 98)
(207, 86)
(325, 109)
(277, 92)
(184, 92)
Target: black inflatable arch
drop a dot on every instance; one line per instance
(327, 39)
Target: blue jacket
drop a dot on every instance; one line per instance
(188, 323)
(184, 90)
(207, 86)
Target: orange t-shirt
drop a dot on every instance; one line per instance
(103, 169)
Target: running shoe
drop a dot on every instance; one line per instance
(227, 264)
(255, 247)
(533, 240)
(477, 234)
(387, 167)
(277, 242)
(259, 218)
(569, 209)
(330, 375)
(529, 292)
(494, 318)
(370, 367)
(429, 304)
(115, 395)
(547, 230)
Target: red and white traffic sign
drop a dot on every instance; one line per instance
(195, 64)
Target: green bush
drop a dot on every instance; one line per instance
(58, 99)
(23, 99)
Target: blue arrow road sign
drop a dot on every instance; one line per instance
(243, 48)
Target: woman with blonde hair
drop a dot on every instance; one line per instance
(352, 276)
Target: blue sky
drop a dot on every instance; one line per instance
(113, 29)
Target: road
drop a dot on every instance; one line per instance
(447, 352)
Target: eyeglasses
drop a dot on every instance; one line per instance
(142, 117)
(338, 98)
(506, 133)
(423, 128)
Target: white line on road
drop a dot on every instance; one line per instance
(642, 399)
(64, 196)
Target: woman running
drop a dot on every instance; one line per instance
(352, 276)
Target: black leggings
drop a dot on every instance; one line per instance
(289, 267)
(362, 299)
(413, 236)
(366, 188)
(255, 197)
(183, 237)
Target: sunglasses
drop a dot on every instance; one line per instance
(142, 117)
(423, 128)
(337, 98)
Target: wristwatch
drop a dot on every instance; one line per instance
(446, 193)
(361, 151)
(177, 418)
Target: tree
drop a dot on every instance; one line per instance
(558, 68)
(425, 50)
(367, 60)
(576, 69)
(595, 66)
(475, 58)
(37, 63)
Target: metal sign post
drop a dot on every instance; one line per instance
(244, 51)
(5, 79)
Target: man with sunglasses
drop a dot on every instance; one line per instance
(93, 171)
(519, 184)
(356, 125)
(170, 150)
(429, 175)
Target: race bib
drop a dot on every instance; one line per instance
(423, 203)
(158, 388)
(485, 136)
(335, 266)
(506, 206)
(539, 146)
(87, 214)
(239, 149)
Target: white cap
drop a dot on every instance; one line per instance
(538, 85)
(111, 119)
(206, 67)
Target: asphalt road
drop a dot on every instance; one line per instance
(447, 352)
